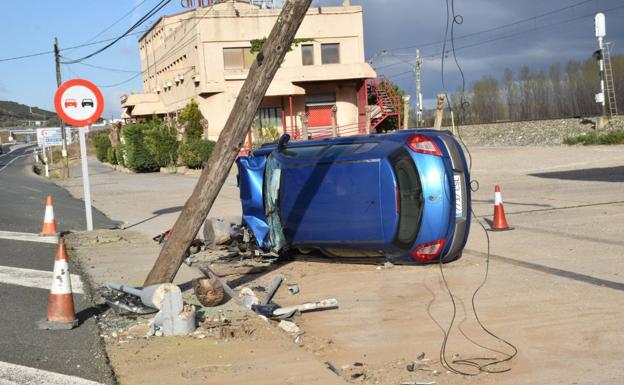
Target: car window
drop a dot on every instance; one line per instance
(409, 197)
(309, 152)
(327, 150)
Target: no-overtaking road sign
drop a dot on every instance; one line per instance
(79, 102)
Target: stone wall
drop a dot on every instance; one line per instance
(538, 132)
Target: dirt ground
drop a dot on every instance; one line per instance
(554, 291)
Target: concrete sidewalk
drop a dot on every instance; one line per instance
(149, 202)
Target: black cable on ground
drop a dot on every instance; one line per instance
(482, 364)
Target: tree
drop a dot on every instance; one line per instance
(191, 118)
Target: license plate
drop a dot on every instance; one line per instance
(459, 211)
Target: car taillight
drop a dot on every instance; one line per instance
(423, 145)
(429, 251)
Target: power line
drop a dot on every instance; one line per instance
(66, 49)
(508, 36)
(145, 17)
(503, 26)
(117, 21)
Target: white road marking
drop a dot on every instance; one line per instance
(12, 160)
(35, 278)
(11, 374)
(30, 237)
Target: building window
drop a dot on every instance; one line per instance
(330, 53)
(238, 58)
(266, 117)
(307, 54)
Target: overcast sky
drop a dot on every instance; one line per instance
(501, 34)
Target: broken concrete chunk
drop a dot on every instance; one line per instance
(216, 232)
(289, 327)
(174, 318)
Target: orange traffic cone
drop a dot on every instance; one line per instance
(60, 300)
(500, 222)
(49, 223)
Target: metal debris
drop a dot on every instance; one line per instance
(293, 289)
(331, 303)
(332, 368)
(273, 289)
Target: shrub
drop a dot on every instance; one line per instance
(191, 118)
(138, 158)
(162, 144)
(265, 134)
(195, 152)
(102, 143)
(110, 155)
(610, 137)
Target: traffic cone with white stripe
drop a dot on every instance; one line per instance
(49, 223)
(61, 314)
(500, 222)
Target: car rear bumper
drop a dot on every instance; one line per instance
(462, 210)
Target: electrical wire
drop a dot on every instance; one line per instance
(144, 18)
(117, 21)
(503, 26)
(482, 364)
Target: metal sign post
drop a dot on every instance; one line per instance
(85, 176)
(80, 103)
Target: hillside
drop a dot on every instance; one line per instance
(16, 114)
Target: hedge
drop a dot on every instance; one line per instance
(138, 157)
(102, 143)
(195, 152)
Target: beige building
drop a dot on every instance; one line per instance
(204, 53)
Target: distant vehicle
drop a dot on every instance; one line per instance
(87, 102)
(402, 196)
(70, 103)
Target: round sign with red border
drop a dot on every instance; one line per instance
(78, 102)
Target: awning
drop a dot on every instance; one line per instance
(147, 109)
(136, 99)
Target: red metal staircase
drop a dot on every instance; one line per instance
(388, 101)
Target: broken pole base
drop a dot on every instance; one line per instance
(44, 324)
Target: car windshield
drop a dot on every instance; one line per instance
(409, 198)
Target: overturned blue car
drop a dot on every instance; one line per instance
(402, 196)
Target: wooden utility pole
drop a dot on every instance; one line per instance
(57, 59)
(230, 141)
(439, 112)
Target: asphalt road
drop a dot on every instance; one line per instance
(78, 352)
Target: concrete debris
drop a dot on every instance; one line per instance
(209, 292)
(247, 298)
(325, 304)
(151, 296)
(388, 265)
(293, 289)
(216, 232)
(174, 318)
(124, 303)
(298, 338)
(422, 357)
(289, 327)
